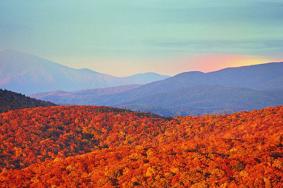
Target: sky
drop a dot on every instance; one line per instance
(123, 37)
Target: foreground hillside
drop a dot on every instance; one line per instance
(105, 147)
(35, 135)
(10, 100)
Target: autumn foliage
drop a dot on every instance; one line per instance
(105, 147)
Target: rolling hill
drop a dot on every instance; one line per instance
(106, 147)
(198, 100)
(29, 74)
(225, 91)
(10, 100)
(82, 97)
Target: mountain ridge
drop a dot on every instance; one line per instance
(226, 90)
(26, 73)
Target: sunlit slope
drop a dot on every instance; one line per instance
(109, 147)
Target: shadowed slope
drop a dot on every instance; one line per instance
(10, 100)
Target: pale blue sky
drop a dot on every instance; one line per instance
(140, 35)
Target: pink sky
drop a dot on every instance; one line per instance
(169, 66)
(212, 62)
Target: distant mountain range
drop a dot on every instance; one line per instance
(29, 74)
(224, 91)
(10, 100)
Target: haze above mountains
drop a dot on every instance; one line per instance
(188, 93)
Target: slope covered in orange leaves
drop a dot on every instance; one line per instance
(35, 135)
(106, 147)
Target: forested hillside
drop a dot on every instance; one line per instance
(105, 147)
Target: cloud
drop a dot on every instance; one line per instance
(141, 29)
(215, 46)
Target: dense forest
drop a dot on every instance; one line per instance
(10, 100)
(79, 146)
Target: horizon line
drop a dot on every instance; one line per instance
(134, 73)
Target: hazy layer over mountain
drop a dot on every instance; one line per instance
(200, 100)
(83, 97)
(227, 90)
(30, 74)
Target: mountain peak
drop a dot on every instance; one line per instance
(190, 73)
(26, 73)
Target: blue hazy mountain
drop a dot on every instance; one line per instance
(28, 74)
(224, 91)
